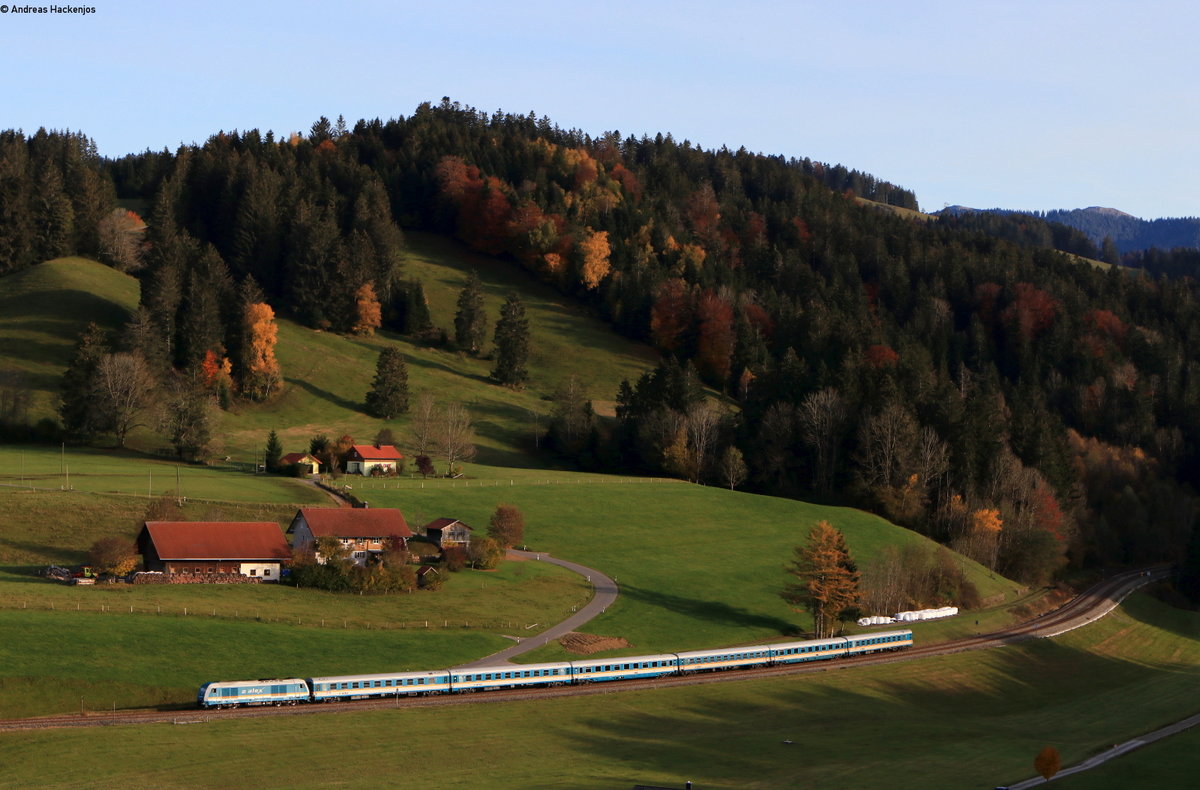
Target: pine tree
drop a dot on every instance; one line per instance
(273, 452)
(512, 343)
(77, 409)
(470, 322)
(389, 392)
(826, 577)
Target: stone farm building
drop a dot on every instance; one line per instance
(256, 549)
(448, 532)
(364, 531)
(363, 459)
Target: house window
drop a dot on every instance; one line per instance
(266, 572)
(253, 572)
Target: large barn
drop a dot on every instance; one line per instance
(250, 548)
(364, 531)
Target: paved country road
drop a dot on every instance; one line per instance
(606, 594)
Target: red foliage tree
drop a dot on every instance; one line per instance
(879, 356)
(628, 181)
(671, 314)
(1030, 313)
(715, 336)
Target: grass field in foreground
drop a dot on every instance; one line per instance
(696, 566)
(48, 659)
(51, 659)
(972, 720)
(1168, 763)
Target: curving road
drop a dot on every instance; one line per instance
(605, 594)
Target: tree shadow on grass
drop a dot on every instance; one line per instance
(827, 729)
(323, 394)
(711, 611)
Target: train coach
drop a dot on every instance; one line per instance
(350, 687)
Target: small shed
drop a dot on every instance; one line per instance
(256, 549)
(364, 531)
(448, 532)
(364, 459)
(305, 461)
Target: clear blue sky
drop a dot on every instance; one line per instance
(1033, 105)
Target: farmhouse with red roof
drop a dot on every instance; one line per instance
(364, 459)
(364, 531)
(251, 548)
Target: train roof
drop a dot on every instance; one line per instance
(722, 651)
(240, 683)
(423, 673)
(832, 641)
(510, 668)
(877, 634)
(623, 660)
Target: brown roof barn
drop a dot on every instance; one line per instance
(447, 532)
(362, 530)
(249, 548)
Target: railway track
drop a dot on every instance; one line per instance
(1084, 608)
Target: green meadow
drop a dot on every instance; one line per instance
(326, 376)
(971, 720)
(127, 473)
(42, 312)
(697, 566)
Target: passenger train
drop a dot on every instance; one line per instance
(290, 691)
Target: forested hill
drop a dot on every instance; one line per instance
(1129, 234)
(991, 393)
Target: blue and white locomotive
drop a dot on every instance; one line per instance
(290, 691)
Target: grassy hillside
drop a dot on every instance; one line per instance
(697, 566)
(971, 720)
(42, 312)
(326, 376)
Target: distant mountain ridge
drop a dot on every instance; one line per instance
(1129, 233)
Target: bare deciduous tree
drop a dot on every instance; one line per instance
(423, 426)
(123, 389)
(822, 417)
(885, 448)
(733, 467)
(455, 436)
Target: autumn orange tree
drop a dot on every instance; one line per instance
(261, 374)
(368, 315)
(1048, 762)
(826, 577)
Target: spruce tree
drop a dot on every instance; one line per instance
(77, 409)
(273, 452)
(512, 343)
(470, 322)
(389, 392)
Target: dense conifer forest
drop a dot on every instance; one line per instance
(960, 375)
